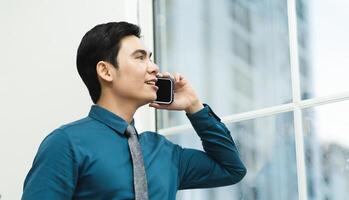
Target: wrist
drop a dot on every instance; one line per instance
(194, 107)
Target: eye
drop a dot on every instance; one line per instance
(140, 57)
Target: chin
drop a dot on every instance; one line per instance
(149, 100)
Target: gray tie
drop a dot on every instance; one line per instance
(139, 176)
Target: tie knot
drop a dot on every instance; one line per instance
(130, 131)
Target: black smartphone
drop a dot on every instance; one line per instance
(166, 90)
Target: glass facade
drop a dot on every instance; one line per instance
(267, 147)
(236, 55)
(323, 46)
(327, 151)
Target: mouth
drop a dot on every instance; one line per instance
(151, 81)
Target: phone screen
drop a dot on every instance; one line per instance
(165, 92)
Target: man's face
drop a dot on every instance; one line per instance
(136, 69)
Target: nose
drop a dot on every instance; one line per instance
(153, 68)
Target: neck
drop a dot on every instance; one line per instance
(119, 107)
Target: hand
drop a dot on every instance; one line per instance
(185, 97)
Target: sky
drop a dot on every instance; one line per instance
(329, 38)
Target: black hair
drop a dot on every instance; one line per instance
(101, 43)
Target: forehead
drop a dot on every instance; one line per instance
(131, 43)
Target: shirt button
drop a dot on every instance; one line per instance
(210, 114)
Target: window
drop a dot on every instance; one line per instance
(228, 67)
(241, 14)
(243, 84)
(267, 147)
(323, 42)
(237, 56)
(326, 139)
(242, 49)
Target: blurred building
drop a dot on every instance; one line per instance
(335, 184)
(236, 54)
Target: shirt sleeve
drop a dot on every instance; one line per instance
(53, 174)
(220, 164)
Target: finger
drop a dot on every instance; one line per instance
(177, 77)
(158, 106)
(181, 77)
(168, 74)
(159, 74)
(154, 105)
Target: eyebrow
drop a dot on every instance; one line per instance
(142, 51)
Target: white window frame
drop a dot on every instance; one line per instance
(142, 15)
(146, 116)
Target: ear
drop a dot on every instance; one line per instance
(104, 71)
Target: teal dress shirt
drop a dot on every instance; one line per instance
(90, 159)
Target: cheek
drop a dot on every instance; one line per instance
(137, 78)
(135, 81)
(131, 84)
(132, 77)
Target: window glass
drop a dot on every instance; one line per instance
(327, 151)
(235, 53)
(323, 47)
(267, 147)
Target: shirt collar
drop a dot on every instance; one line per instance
(110, 119)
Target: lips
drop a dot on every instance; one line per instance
(151, 81)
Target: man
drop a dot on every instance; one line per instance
(91, 159)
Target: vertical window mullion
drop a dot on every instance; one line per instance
(145, 116)
(296, 94)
